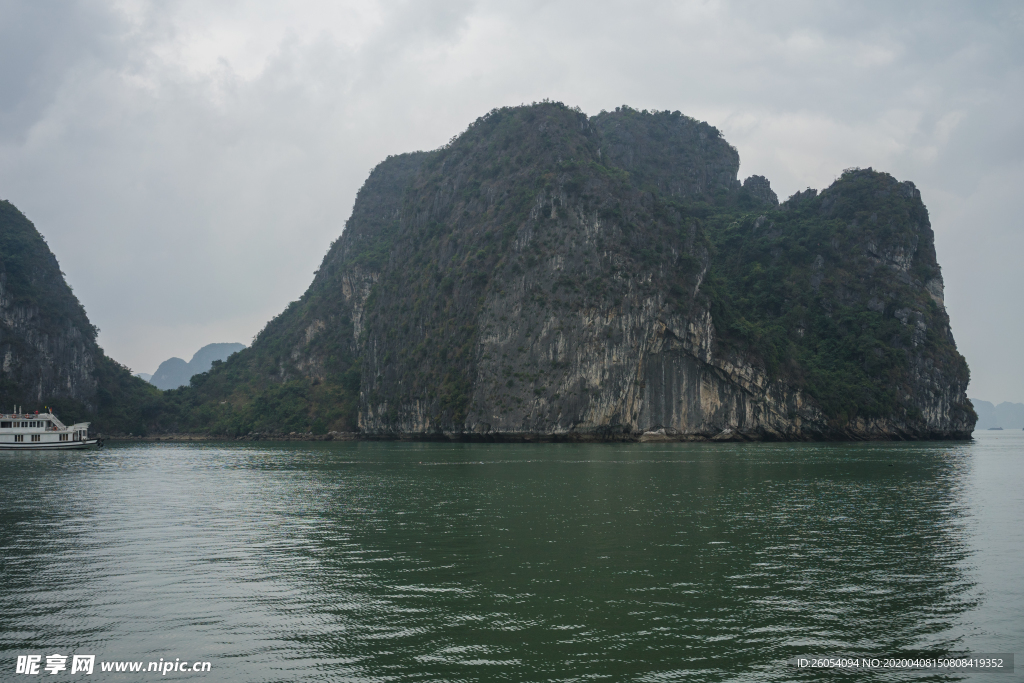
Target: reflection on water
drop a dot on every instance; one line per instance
(379, 561)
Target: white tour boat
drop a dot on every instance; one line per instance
(41, 431)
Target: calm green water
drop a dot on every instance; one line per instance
(430, 562)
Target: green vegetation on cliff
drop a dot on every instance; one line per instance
(831, 292)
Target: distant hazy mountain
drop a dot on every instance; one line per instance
(144, 376)
(1006, 415)
(174, 372)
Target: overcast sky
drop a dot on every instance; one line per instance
(190, 162)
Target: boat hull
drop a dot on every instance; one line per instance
(52, 446)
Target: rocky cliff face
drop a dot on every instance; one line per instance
(549, 274)
(46, 342)
(48, 350)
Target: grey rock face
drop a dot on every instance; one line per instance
(761, 190)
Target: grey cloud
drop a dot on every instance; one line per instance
(41, 45)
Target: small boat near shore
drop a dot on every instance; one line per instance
(42, 431)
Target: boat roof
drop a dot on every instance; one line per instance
(42, 416)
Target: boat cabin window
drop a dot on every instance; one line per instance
(5, 425)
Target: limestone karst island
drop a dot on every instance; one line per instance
(553, 275)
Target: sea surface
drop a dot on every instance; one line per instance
(512, 562)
